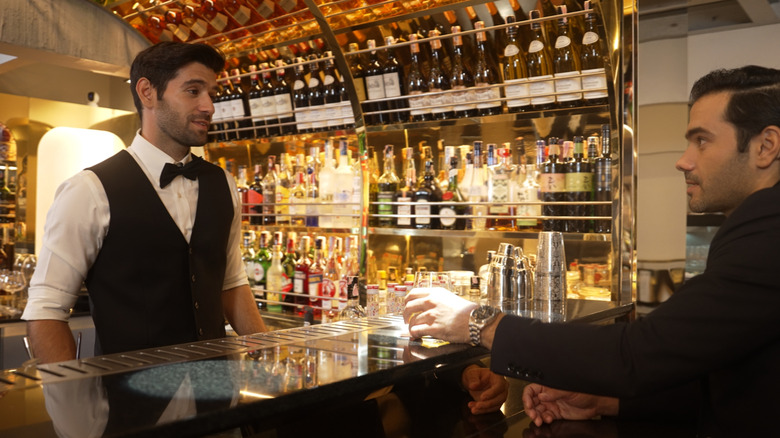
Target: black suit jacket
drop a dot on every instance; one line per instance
(715, 343)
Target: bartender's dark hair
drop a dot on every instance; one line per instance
(755, 98)
(161, 62)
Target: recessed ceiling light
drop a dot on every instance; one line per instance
(5, 58)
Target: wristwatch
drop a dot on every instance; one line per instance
(480, 317)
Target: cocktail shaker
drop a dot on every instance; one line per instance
(550, 275)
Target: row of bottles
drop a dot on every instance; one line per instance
(491, 192)
(304, 272)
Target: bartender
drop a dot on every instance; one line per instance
(153, 231)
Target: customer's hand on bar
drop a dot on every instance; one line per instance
(488, 389)
(545, 405)
(439, 313)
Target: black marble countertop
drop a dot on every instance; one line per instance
(351, 378)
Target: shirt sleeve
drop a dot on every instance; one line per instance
(76, 225)
(235, 273)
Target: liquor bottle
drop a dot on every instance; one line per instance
(490, 156)
(345, 105)
(439, 81)
(490, 54)
(327, 187)
(317, 114)
(357, 69)
(553, 185)
(466, 41)
(462, 80)
(315, 276)
(254, 99)
(373, 303)
(603, 182)
(255, 198)
(330, 283)
(540, 70)
(301, 281)
(283, 187)
(350, 268)
(174, 19)
(213, 12)
(343, 193)
(387, 186)
(451, 215)
(485, 76)
(373, 187)
(357, 193)
(593, 60)
(268, 102)
(275, 279)
(500, 193)
(405, 192)
(426, 193)
(353, 309)
(261, 266)
(248, 257)
(528, 192)
(515, 73)
(243, 193)
(392, 77)
(477, 191)
(270, 181)
(303, 121)
(288, 276)
(566, 66)
(157, 29)
(195, 22)
(331, 112)
(375, 86)
(297, 198)
(468, 171)
(579, 188)
(417, 86)
(525, 34)
(283, 101)
(239, 106)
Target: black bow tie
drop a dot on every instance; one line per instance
(190, 170)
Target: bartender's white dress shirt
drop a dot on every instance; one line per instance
(77, 223)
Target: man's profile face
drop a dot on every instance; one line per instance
(717, 175)
(184, 112)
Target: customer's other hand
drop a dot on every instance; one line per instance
(545, 405)
(488, 389)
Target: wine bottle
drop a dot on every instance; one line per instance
(603, 182)
(417, 86)
(312, 201)
(387, 186)
(553, 185)
(515, 73)
(375, 86)
(593, 59)
(405, 194)
(477, 191)
(426, 193)
(254, 98)
(301, 99)
(283, 187)
(451, 215)
(332, 91)
(315, 276)
(255, 198)
(438, 81)
(566, 66)
(485, 76)
(268, 102)
(283, 101)
(579, 188)
(461, 79)
(262, 263)
(317, 114)
(392, 77)
(288, 276)
(270, 182)
(239, 106)
(540, 70)
(356, 63)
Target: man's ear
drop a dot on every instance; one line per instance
(146, 92)
(769, 146)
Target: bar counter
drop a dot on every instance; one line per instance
(358, 378)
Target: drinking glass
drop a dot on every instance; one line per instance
(13, 282)
(28, 267)
(428, 279)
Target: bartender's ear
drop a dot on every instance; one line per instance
(768, 146)
(146, 92)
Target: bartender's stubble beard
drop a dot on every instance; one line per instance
(178, 127)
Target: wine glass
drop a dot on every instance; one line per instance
(28, 267)
(12, 281)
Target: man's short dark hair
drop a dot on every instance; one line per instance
(161, 62)
(754, 102)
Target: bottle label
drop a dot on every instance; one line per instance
(347, 116)
(595, 81)
(300, 276)
(422, 208)
(535, 46)
(313, 82)
(447, 216)
(225, 111)
(219, 22)
(200, 27)
(315, 286)
(256, 198)
(258, 273)
(392, 85)
(511, 50)
(567, 83)
(265, 8)
(579, 182)
(242, 15)
(328, 288)
(327, 80)
(181, 32)
(459, 98)
(288, 5)
(415, 103)
(518, 92)
(375, 87)
(553, 182)
(236, 108)
(441, 102)
(562, 41)
(499, 192)
(256, 109)
(589, 38)
(268, 107)
(404, 209)
(383, 197)
(528, 194)
(486, 97)
(284, 107)
(360, 89)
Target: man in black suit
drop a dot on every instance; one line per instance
(712, 351)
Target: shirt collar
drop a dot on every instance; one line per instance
(152, 158)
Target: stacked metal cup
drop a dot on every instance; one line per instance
(550, 275)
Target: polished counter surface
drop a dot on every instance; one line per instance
(351, 378)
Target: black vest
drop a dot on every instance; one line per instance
(148, 287)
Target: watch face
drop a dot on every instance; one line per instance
(484, 313)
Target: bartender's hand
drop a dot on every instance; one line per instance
(488, 389)
(439, 313)
(545, 405)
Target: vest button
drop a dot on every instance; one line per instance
(200, 331)
(193, 278)
(197, 306)
(190, 250)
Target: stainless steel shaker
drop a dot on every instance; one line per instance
(501, 285)
(550, 274)
(523, 279)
